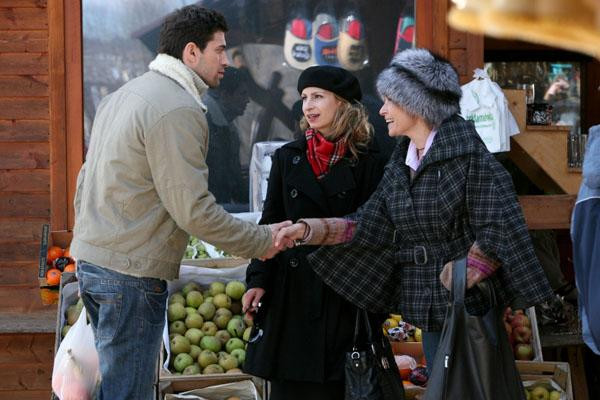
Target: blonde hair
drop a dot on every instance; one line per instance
(350, 123)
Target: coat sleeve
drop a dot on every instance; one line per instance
(363, 270)
(176, 150)
(500, 230)
(258, 272)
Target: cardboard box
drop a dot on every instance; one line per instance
(50, 294)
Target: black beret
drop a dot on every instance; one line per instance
(334, 79)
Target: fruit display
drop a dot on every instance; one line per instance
(58, 261)
(519, 330)
(543, 392)
(398, 330)
(197, 249)
(207, 330)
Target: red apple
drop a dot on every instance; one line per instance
(520, 320)
(523, 352)
(522, 334)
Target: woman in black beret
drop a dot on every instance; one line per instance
(302, 327)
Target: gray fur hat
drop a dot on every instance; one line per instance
(423, 84)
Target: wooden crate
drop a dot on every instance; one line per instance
(225, 262)
(50, 294)
(559, 372)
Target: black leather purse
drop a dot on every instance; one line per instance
(474, 360)
(370, 370)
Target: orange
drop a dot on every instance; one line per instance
(53, 253)
(67, 252)
(69, 268)
(53, 276)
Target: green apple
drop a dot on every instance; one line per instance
(195, 351)
(191, 310)
(194, 321)
(209, 328)
(177, 298)
(222, 317)
(193, 369)
(247, 333)
(180, 344)
(234, 343)
(210, 343)
(207, 358)
(234, 371)
(182, 361)
(194, 299)
(66, 328)
(555, 395)
(194, 335)
(188, 287)
(236, 327)
(240, 354)
(223, 336)
(176, 311)
(209, 299)
(79, 304)
(213, 369)
(207, 310)
(177, 327)
(221, 300)
(236, 307)
(235, 289)
(248, 321)
(228, 362)
(216, 288)
(172, 335)
(540, 393)
(72, 314)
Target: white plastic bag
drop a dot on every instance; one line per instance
(76, 371)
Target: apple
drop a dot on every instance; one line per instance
(193, 369)
(210, 343)
(79, 304)
(213, 369)
(234, 371)
(194, 299)
(507, 328)
(209, 328)
(249, 321)
(176, 311)
(180, 344)
(522, 334)
(194, 335)
(223, 336)
(188, 287)
(182, 361)
(216, 288)
(236, 307)
(194, 321)
(221, 300)
(247, 333)
(236, 327)
(172, 335)
(207, 310)
(64, 330)
(540, 393)
(177, 298)
(208, 299)
(555, 395)
(72, 314)
(234, 343)
(191, 310)
(228, 362)
(523, 352)
(177, 327)
(222, 318)
(195, 352)
(520, 320)
(240, 354)
(235, 289)
(206, 358)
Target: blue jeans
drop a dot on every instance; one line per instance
(431, 340)
(127, 316)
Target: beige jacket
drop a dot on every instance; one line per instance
(144, 185)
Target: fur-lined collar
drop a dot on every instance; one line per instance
(182, 74)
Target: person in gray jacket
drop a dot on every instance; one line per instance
(142, 190)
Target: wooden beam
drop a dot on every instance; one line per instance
(24, 41)
(24, 156)
(24, 130)
(58, 142)
(33, 18)
(548, 211)
(424, 23)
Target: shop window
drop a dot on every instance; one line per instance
(269, 42)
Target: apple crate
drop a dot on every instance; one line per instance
(558, 372)
(413, 349)
(50, 294)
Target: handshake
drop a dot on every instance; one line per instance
(284, 236)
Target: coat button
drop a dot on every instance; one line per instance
(341, 195)
(126, 263)
(296, 160)
(294, 262)
(294, 193)
(426, 291)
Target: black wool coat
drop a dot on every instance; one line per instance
(306, 326)
(409, 229)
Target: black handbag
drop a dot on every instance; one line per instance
(370, 370)
(474, 360)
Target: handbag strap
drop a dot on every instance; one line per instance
(361, 314)
(459, 281)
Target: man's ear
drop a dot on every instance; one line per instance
(190, 54)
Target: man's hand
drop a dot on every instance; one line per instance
(276, 247)
(251, 301)
(291, 233)
(474, 276)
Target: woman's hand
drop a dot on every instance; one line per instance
(474, 276)
(251, 301)
(293, 232)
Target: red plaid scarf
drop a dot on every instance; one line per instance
(321, 153)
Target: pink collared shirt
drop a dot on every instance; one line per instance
(412, 160)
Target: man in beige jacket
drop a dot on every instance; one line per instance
(142, 190)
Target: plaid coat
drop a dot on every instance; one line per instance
(408, 230)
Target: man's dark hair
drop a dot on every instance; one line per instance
(189, 24)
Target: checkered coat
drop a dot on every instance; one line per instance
(408, 230)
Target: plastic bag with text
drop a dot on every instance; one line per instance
(76, 371)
